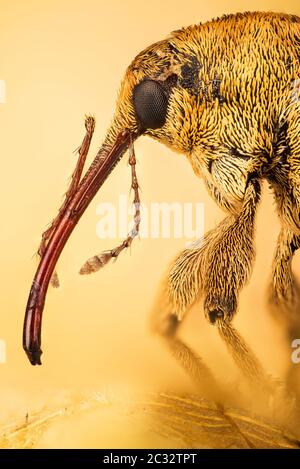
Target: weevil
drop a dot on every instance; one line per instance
(225, 94)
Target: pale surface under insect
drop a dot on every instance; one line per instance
(152, 420)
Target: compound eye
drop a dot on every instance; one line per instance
(150, 104)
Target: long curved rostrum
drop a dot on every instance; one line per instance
(79, 201)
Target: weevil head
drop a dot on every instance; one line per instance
(143, 101)
(160, 95)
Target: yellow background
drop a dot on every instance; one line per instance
(60, 60)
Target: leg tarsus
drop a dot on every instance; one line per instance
(187, 358)
(284, 297)
(241, 353)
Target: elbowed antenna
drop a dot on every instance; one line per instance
(97, 262)
(104, 162)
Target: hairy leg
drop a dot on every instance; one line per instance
(284, 291)
(228, 267)
(218, 266)
(230, 258)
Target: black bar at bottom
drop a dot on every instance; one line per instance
(138, 457)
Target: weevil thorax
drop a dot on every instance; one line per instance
(228, 85)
